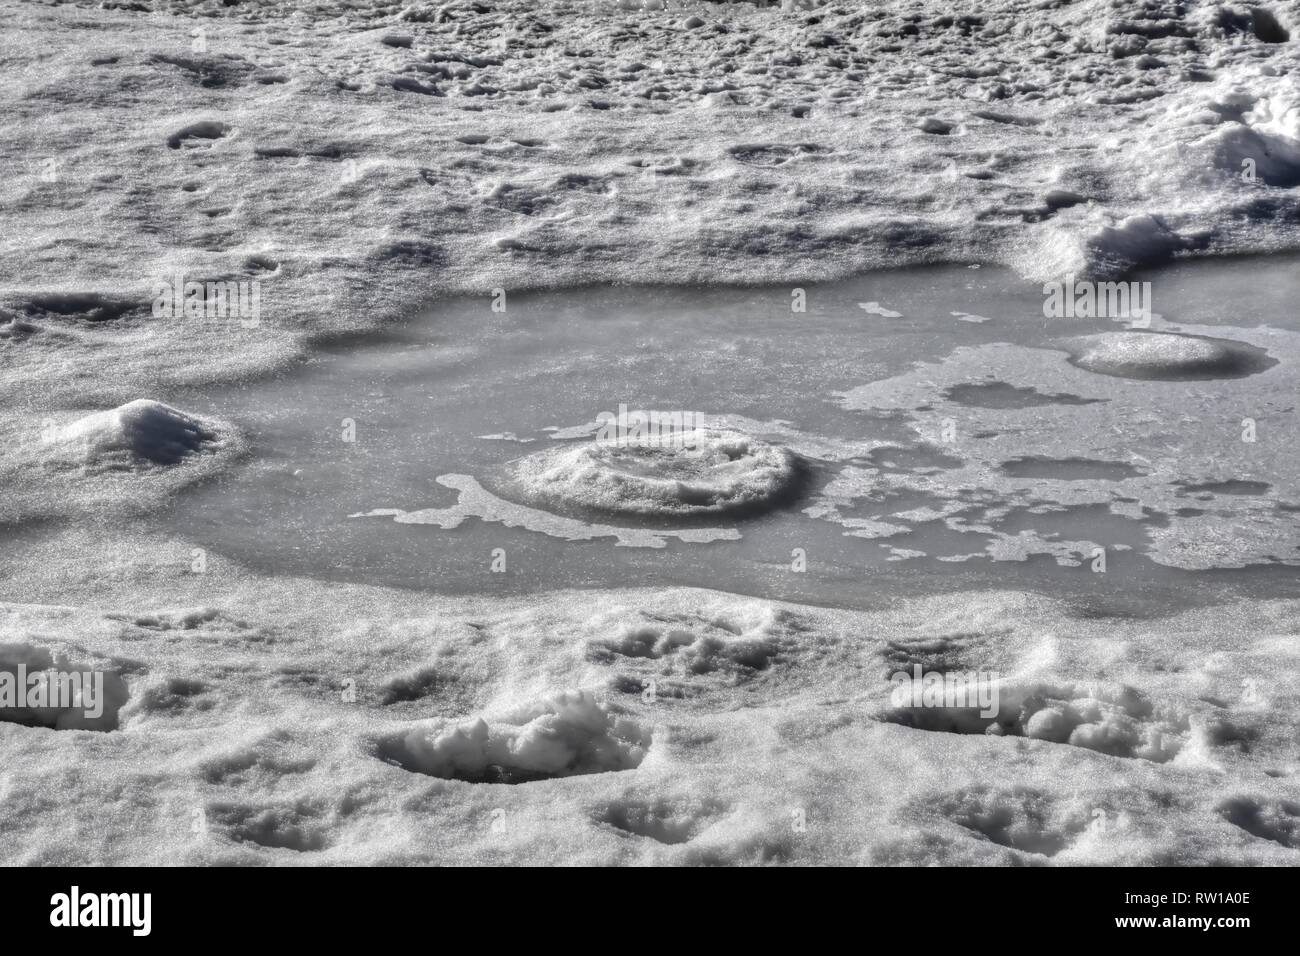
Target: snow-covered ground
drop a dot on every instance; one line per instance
(361, 158)
(697, 726)
(354, 162)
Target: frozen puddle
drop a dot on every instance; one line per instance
(835, 454)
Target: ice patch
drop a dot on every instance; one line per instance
(477, 502)
(875, 308)
(1016, 416)
(664, 819)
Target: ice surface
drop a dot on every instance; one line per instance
(925, 443)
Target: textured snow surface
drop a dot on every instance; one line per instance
(286, 721)
(353, 161)
(359, 158)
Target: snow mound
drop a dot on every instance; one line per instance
(1273, 160)
(72, 696)
(1098, 244)
(1263, 148)
(1168, 356)
(1137, 240)
(562, 736)
(704, 471)
(1119, 721)
(138, 434)
(124, 459)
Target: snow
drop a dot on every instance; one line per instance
(136, 434)
(240, 719)
(356, 162)
(124, 459)
(519, 146)
(558, 737)
(1166, 355)
(1264, 145)
(703, 471)
(875, 308)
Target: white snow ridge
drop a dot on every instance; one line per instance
(318, 549)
